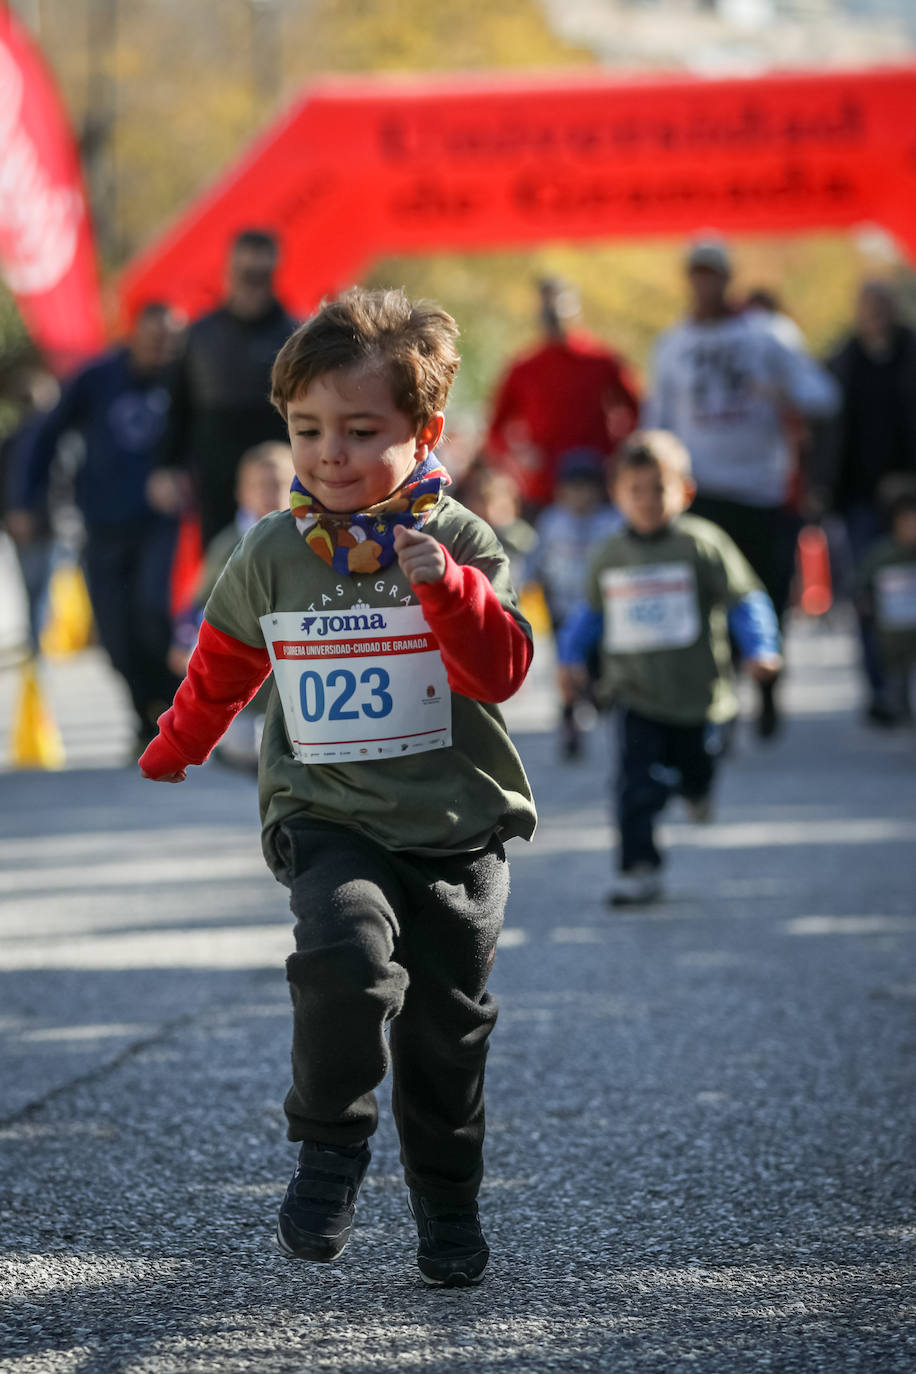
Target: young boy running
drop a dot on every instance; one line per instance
(662, 596)
(388, 782)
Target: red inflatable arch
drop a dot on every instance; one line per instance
(363, 168)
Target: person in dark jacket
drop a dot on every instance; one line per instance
(30, 389)
(118, 405)
(872, 438)
(220, 386)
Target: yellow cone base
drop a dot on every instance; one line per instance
(36, 741)
(69, 627)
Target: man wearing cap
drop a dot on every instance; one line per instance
(727, 387)
(571, 392)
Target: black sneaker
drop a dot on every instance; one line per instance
(768, 718)
(880, 714)
(316, 1215)
(452, 1252)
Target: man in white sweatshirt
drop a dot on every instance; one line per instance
(727, 386)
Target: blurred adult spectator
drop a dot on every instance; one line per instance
(873, 437)
(221, 383)
(31, 390)
(764, 307)
(570, 392)
(731, 390)
(118, 404)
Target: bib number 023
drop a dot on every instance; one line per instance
(361, 686)
(332, 697)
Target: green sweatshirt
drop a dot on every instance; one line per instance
(445, 800)
(664, 600)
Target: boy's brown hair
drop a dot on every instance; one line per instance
(412, 342)
(653, 448)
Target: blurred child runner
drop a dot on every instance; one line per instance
(262, 484)
(568, 531)
(887, 596)
(495, 497)
(662, 596)
(388, 781)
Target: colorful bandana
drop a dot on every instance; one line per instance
(363, 542)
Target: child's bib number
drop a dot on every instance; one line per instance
(896, 589)
(359, 685)
(651, 607)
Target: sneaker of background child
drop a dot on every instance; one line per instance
(699, 809)
(769, 721)
(452, 1250)
(638, 887)
(316, 1215)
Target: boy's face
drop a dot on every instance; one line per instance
(496, 502)
(650, 497)
(905, 527)
(352, 447)
(263, 487)
(707, 290)
(579, 495)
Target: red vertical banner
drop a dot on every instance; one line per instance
(46, 249)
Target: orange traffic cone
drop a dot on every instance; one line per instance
(815, 584)
(36, 741)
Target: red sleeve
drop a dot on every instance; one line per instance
(223, 676)
(486, 652)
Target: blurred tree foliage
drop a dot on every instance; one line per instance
(195, 81)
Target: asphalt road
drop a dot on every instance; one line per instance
(701, 1118)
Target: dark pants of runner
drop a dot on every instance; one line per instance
(865, 525)
(390, 937)
(128, 568)
(654, 762)
(766, 535)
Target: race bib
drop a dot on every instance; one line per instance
(652, 607)
(359, 685)
(896, 598)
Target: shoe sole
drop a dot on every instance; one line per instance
(458, 1279)
(618, 899)
(314, 1256)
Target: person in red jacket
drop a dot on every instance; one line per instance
(571, 392)
(388, 782)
